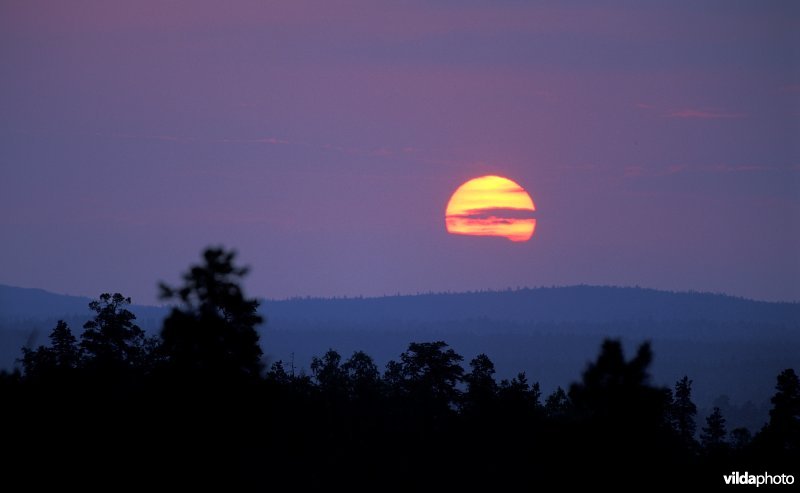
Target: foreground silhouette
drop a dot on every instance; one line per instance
(212, 333)
(195, 405)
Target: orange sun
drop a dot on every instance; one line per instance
(491, 206)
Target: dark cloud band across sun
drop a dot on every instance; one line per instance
(491, 206)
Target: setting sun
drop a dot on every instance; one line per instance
(491, 206)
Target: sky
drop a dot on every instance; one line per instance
(322, 141)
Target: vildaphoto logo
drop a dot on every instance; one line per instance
(736, 477)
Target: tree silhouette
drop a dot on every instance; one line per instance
(211, 334)
(618, 416)
(618, 391)
(481, 386)
(37, 363)
(363, 376)
(65, 346)
(112, 339)
(394, 378)
(518, 394)
(713, 434)
(783, 429)
(683, 411)
(557, 404)
(330, 376)
(62, 355)
(277, 374)
(428, 372)
(741, 438)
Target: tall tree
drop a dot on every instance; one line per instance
(618, 391)
(212, 331)
(683, 411)
(65, 346)
(713, 433)
(783, 428)
(112, 339)
(481, 386)
(617, 412)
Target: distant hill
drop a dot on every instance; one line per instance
(25, 303)
(728, 345)
(592, 304)
(19, 304)
(573, 304)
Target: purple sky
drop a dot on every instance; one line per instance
(322, 140)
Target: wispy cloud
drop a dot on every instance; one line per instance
(703, 114)
(260, 140)
(359, 151)
(273, 141)
(378, 152)
(509, 213)
(166, 138)
(175, 138)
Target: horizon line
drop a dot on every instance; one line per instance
(446, 293)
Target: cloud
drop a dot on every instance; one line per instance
(272, 140)
(379, 152)
(167, 138)
(363, 151)
(262, 140)
(703, 114)
(504, 213)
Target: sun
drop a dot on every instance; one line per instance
(491, 206)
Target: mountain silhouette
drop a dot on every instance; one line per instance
(595, 304)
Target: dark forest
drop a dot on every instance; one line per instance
(196, 404)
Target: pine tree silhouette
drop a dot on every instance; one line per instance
(61, 356)
(111, 340)
(212, 332)
(713, 434)
(683, 412)
(481, 386)
(783, 429)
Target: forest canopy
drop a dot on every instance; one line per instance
(197, 400)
